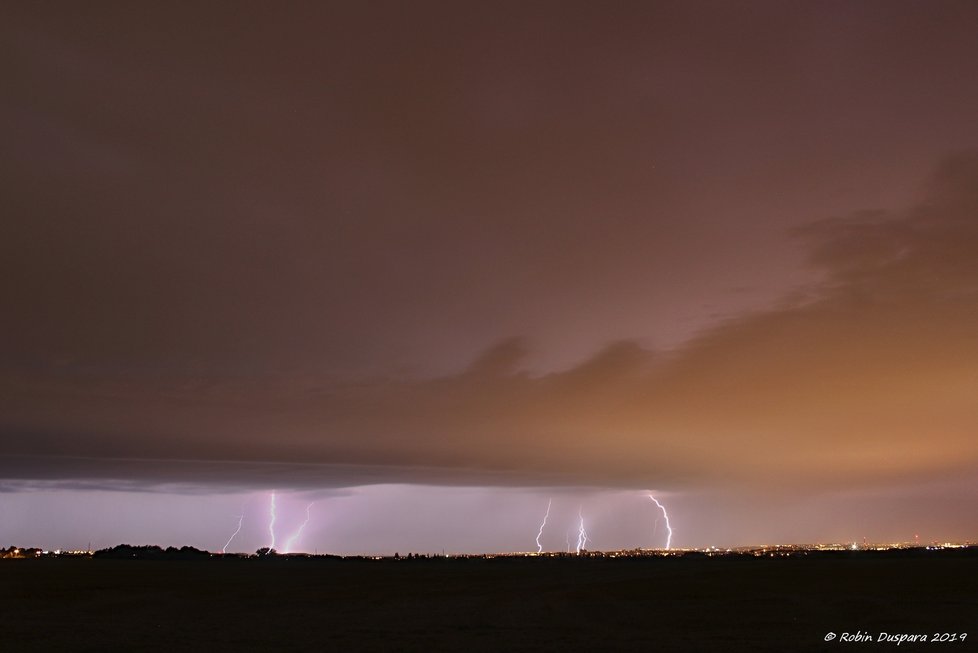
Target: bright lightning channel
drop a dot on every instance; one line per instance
(581, 531)
(233, 535)
(271, 522)
(544, 523)
(291, 540)
(666, 515)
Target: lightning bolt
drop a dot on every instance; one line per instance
(240, 520)
(666, 515)
(291, 540)
(544, 523)
(271, 522)
(581, 531)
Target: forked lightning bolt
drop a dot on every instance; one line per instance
(291, 540)
(581, 531)
(233, 535)
(544, 523)
(666, 515)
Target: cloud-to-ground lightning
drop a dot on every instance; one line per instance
(271, 522)
(542, 524)
(233, 535)
(666, 515)
(581, 531)
(291, 540)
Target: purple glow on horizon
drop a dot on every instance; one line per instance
(384, 519)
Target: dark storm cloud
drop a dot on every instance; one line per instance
(252, 248)
(872, 380)
(329, 191)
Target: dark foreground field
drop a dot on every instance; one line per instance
(652, 604)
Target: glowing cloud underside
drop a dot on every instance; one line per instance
(666, 515)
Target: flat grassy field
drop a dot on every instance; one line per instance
(501, 604)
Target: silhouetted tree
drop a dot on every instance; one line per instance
(130, 551)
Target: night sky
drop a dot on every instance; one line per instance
(428, 266)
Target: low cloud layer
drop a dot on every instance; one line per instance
(868, 377)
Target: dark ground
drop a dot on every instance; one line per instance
(646, 604)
